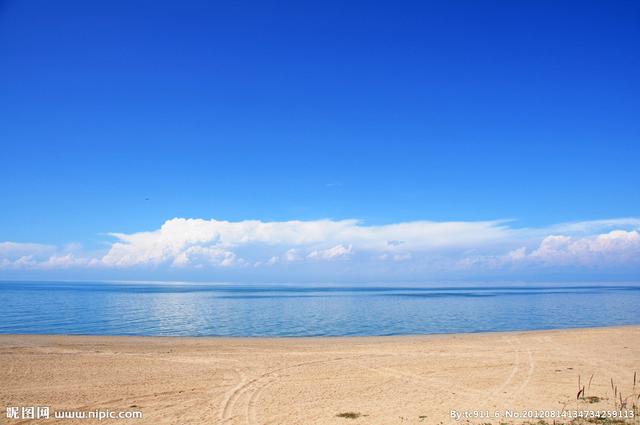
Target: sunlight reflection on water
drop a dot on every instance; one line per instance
(252, 310)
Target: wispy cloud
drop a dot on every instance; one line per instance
(18, 249)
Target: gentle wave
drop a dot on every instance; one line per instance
(278, 310)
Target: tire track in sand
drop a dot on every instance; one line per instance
(239, 390)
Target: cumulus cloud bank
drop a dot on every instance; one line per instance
(420, 246)
(612, 249)
(180, 242)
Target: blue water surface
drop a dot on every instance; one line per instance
(189, 309)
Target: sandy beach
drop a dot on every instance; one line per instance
(372, 380)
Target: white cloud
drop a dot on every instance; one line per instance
(333, 253)
(419, 246)
(15, 255)
(65, 261)
(18, 249)
(182, 242)
(292, 255)
(202, 255)
(591, 227)
(615, 247)
(55, 261)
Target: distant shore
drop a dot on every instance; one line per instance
(327, 380)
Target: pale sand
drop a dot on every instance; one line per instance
(412, 379)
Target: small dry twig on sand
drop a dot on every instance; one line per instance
(349, 415)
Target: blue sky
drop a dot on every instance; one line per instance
(119, 116)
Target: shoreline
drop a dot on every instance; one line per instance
(320, 337)
(285, 380)
(323, 337)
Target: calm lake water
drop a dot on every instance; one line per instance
(253, 310)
